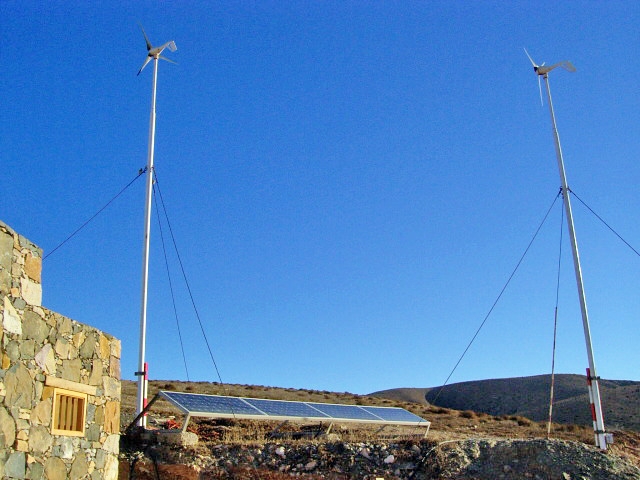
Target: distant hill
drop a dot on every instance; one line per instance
(529, 397)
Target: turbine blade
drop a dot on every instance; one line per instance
(147, 60)
(170, 45)
(530, 59)
(146, 39)
(568, 66)
(540, 88)
(167, 60)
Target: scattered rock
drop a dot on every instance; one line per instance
(424, 460)
(365, 453)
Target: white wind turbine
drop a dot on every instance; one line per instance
(542, 71)
(153, 53)
(592, 377)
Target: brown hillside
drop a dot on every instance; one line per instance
(529, 397)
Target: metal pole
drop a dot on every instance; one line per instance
(141, 373)
(594, 388)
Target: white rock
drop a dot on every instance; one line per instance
(390, 459)
(112, 444)
(10, 318)
(178, 437)
(67, 448)
(46, 360)
(280, 452)
(31, 292)
(111, 468)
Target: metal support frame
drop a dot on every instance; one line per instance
(142, 414)
(275, 431)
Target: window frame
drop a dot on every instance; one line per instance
(74, 406)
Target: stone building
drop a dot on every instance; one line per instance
(59, 380)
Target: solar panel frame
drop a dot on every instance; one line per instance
(220, 406)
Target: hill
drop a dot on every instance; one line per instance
(529, 397)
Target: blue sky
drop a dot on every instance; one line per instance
(350, 184)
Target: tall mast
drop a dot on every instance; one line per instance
(141, 398)
(142, 373)
(592, 377)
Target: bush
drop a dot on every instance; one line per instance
(439, 410)
(524, 422)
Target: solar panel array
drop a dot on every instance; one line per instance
(201, 405)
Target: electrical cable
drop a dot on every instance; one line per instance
(184, 276)
(173, 298)
(555, 329)
(495, 302)
(605, 223)
(140, 172)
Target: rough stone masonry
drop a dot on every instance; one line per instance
(48, 359)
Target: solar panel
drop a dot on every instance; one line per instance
(218, 406)
(210, 404)
(281, 408)
(352, 412)
(394, 414)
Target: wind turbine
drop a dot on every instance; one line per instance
(541, 70)
(153, 53)
(592, 378)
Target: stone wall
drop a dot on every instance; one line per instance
(42, 352)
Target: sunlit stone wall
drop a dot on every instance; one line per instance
(41, 353)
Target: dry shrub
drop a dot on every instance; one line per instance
(566, 428)
(524, 422)
(439, 410)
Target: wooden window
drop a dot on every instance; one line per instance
(69, 412)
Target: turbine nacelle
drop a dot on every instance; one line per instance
(542, 71)
(153, 53)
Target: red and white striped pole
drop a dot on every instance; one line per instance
(592, 405)
(146, 391)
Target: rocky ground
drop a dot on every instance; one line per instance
(486, 459)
